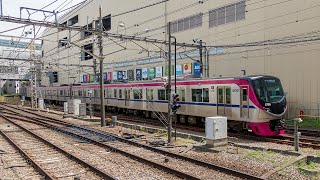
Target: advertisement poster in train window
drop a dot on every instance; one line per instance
(179, 69)
(109, 76)
(131, 74)
(115, 76)
(105, 75)
(88, 78)
(187, 68)
(91, 78)
(196, 69)
(144, 73)
(159, 71)
(151, 73)
(125, 75)
(138, 74)
(120, 76)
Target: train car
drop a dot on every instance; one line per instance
(255, 103)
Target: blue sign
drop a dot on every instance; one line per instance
(196, 69)
(120, 76)
(105, 76)
(138, 74)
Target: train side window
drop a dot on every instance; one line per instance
(182, 94)
(115, 93)
(120, 93)
(220, 95)
(149, 94)
(137, 94)
(162, 94)
(244, 94)
(80, 93)
(228, 95)
(72, 94)
(105, 93)
(205, 95)
(109, 93)
(196, 95)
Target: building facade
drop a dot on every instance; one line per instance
(249, 37)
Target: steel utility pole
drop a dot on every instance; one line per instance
(169, 86)
(201, 61)
(101, 57)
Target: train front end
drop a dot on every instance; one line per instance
(271, 103)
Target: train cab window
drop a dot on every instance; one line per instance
(182, 94)
(196, 95)
(137, 94)
(120, 93)
(149, 94)
(228, 95)
(162, 95)
(115, 93)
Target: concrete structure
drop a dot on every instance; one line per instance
(271, 27)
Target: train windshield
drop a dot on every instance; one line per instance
(268, 90)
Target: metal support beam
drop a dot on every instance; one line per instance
(169, 87)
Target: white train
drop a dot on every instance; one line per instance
(256, 103)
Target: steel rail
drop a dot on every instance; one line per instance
(85, 164)
(173, 155)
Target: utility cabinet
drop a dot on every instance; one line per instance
(80, 110)
(72, 104)
(216, 131)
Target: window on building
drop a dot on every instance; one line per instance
(63, 42)
(73, 20)
(227, 14)
(84, 55)
(85, 34)
(149, 94)
(137, 94)
(186, 23)
(106, 22)
(230, 13)
(240, 10)
(162, 94)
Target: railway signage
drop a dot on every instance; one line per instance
(138, 74)
(179, 69)
(125, 75)
(196, 69)
(159, 71)
(109, 76)
(115, 76)
(120, 76)
(131, 74)
(187, 68)
(144, 73)
(151, 73)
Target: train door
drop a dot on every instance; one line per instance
(224, 101)
(127, 97)
(221, 101)
(244, 101)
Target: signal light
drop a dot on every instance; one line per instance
(174, 106)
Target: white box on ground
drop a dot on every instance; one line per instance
(72, 104)
(216, 131)
(41, 103)
(65, 107)
(80, 110)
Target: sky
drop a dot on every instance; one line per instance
(12, 8)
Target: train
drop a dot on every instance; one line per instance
(250, 103)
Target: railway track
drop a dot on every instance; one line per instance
(50, 160)
(308, 138)
(142, 152)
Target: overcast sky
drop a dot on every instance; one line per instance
(12, 8)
